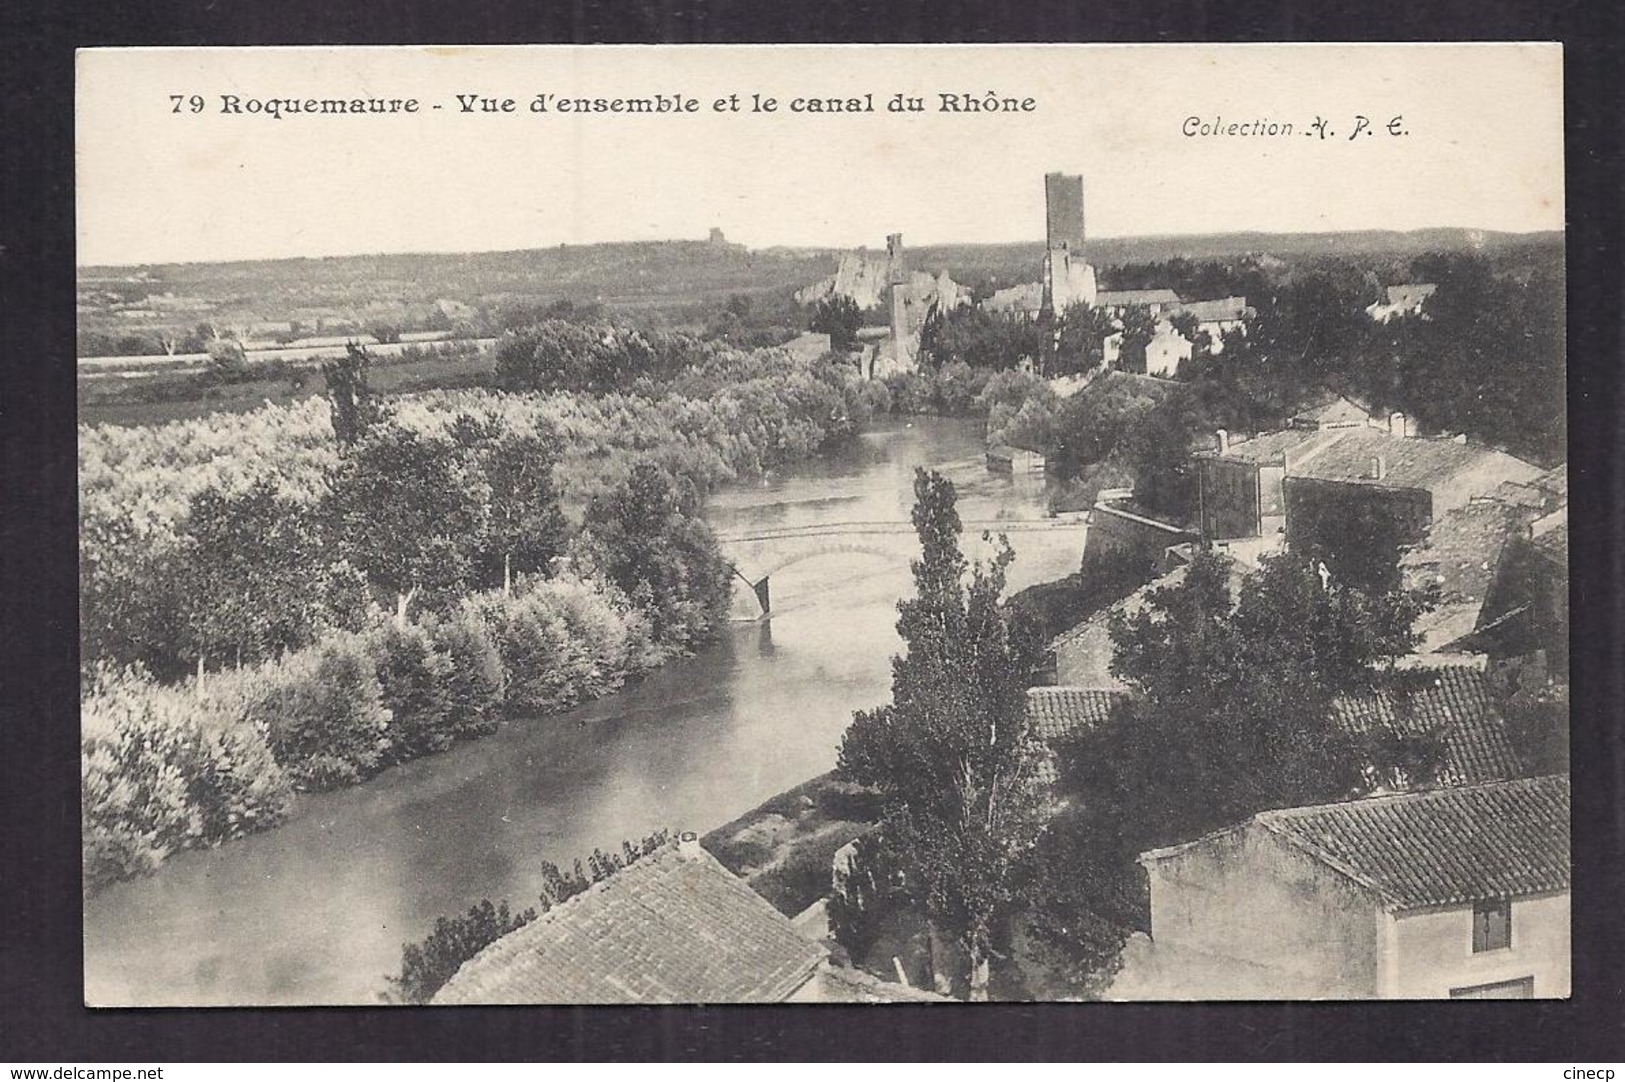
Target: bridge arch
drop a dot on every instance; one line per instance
(759, 554)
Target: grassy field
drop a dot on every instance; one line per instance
(784, 848)
(132, 402)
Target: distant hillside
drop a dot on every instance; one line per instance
(343, 292)
(631, 273)
(1020, 261)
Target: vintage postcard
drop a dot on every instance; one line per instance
(882, 524)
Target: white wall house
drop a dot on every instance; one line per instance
(1452, 893)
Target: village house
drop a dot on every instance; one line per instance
(1331, 465)
(1343, 411)
(1500, 567)
(1059, 714)
(1167, 350)
(672, 927)
(1458, 893)
(1217, 317)
(1240, 482)
(1156, 301)
(1364, 474)
(1401, 300)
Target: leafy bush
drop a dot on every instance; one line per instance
(474, 692)
(427, 966)
(645, 535)
(323, 709)
(164, 769)
(563, 642)
(414, 680)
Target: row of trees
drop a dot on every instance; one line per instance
(1231, 713)
(247, 535)
(359, 582)
(173, 766)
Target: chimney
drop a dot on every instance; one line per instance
(1379, 468)
(1396, 425)
(1224, 442)
(688, 841)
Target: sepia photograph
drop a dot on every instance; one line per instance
(884, 524)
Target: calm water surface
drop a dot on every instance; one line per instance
(315, 912)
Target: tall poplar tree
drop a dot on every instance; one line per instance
(954, 755)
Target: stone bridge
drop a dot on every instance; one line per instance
(758, 553)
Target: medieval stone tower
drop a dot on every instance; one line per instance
(1063, 212)
(900, 303)
(1068, 277)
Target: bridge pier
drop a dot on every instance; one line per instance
(757, 604)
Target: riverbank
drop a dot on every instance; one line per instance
(785, 846)
(316, 910)
(334, 689)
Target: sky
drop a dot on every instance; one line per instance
(1481, 146)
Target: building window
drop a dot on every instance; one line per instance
(1522, 988)
(1492, 924)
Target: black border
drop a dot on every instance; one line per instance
(41, 1018)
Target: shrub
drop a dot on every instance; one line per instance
(474, 675)
(876, 395)
(414, 686)
(532, 640)
(910, 392)
(164, 769)
(426, 966)
(133, 794)
(324, 713)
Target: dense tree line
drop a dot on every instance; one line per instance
(1483, 357)
(244, 535)
(350, 605)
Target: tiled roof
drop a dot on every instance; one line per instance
(1214, 311)
(1443, 846)
(1462, 549)
(1454, 701)
(1268, 447)
(1333, 409)
(1410, 293)
(842, 984)
(1408, 463)
(1118, 298)
(1060, 712)
(673, 927)
(1544, 492)
(1554, 543)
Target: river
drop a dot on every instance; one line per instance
(316, 911)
